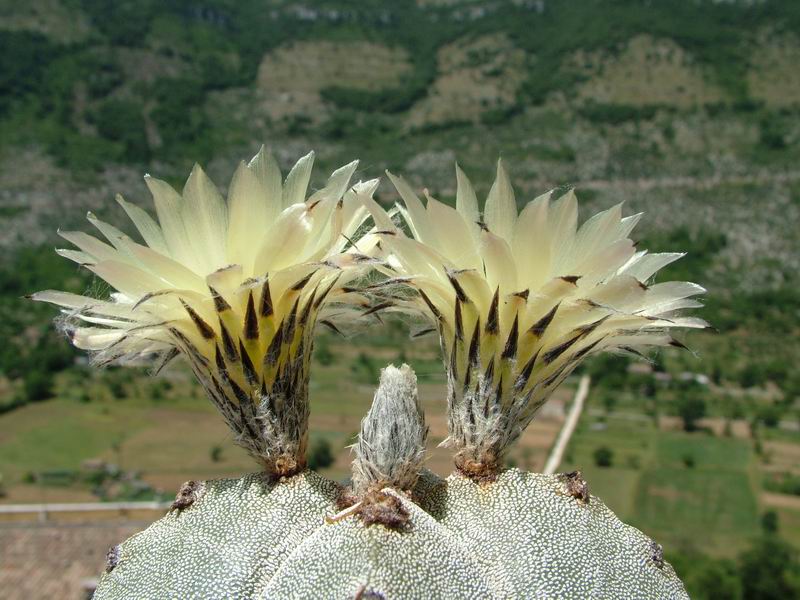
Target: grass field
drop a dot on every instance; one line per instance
(651, 486)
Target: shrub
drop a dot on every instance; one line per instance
(364, 368)
(603, 456)
(769, 522)
(116, 385)
(324, 354)
(22, 64)
(783, 483)
(609, 401)
(320, 456)
(615, 114)
(708, 578)
(691, 408)
(769, 415)
(634, 462)
(770, 570)
(38, 385)
(298, 124)
(180, 117)
(122, 121)
(771, 132)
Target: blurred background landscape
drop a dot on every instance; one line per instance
(686, 110)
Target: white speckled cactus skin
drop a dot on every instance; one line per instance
(521, 536)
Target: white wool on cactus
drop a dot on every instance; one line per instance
(519, 300)
(236, 287)
(390, 449)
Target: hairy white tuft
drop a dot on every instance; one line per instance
(391, 445)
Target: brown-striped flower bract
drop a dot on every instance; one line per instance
(519, 300)
(236, 287)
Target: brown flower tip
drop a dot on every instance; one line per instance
(365, 593)
(379, 508)
(112, 558)
(482, 471)
(657, 554)
(576, 486)
(374, 507)
(188, 494)
(284, 466)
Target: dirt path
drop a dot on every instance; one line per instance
(569, 427)
(780, 500)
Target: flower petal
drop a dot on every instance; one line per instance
(168, 208)
(500, 212)
(296, 184)
(467, 202)
(205, 217)
(417, 216)
(150, 231)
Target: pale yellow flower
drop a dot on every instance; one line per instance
(519, 300)
(235, 287)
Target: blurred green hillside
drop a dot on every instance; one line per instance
(688, 110)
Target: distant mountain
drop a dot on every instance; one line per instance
(686, 109)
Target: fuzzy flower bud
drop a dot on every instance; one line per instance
(391, 445)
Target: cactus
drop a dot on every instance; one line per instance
(518, 301)
(523, 535)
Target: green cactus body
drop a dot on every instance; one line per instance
(537, 541)
(521, 536)
(228, 543)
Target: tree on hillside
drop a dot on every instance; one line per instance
(691, 408)
(603, 456)
(321, 455)
(770, 570)
(715, 580)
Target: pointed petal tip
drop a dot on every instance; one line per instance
(309, 156)
(262, 153)
(366, 187)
